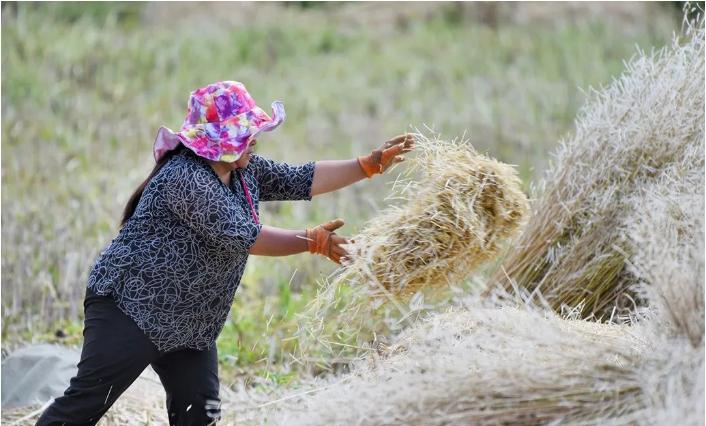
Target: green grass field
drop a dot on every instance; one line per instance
(85, 88)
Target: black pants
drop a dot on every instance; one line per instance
(115, 352)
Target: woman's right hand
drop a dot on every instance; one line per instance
(323, 240)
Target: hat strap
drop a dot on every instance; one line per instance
(249, 198)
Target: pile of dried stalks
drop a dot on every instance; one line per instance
(629, 136)
(490, 363)
(482, 366)
(630, 183)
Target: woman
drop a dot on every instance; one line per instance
(161, 291)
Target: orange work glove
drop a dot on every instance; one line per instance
(322, 240)
(386, 155)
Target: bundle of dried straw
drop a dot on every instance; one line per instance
(449, 220)
(453, 208)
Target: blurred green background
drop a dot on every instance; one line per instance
(85, 86)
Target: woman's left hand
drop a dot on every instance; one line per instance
(323, 240)
(387, 154)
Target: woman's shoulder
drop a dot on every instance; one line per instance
(187, 159)
(255, 161)
(258, 164)
(184, 165)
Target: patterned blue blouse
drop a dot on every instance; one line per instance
(175, 265)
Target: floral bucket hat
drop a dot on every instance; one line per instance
(220, 122)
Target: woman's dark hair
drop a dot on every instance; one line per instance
(135, 198)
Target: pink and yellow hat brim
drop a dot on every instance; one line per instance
(221, 141)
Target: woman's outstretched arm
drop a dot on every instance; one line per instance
(321, 239)
(273, 241)
(330, 175)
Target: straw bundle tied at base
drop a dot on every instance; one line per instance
(450, 220)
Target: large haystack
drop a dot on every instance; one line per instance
(645, 128)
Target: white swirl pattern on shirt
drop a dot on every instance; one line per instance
(175, 266)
